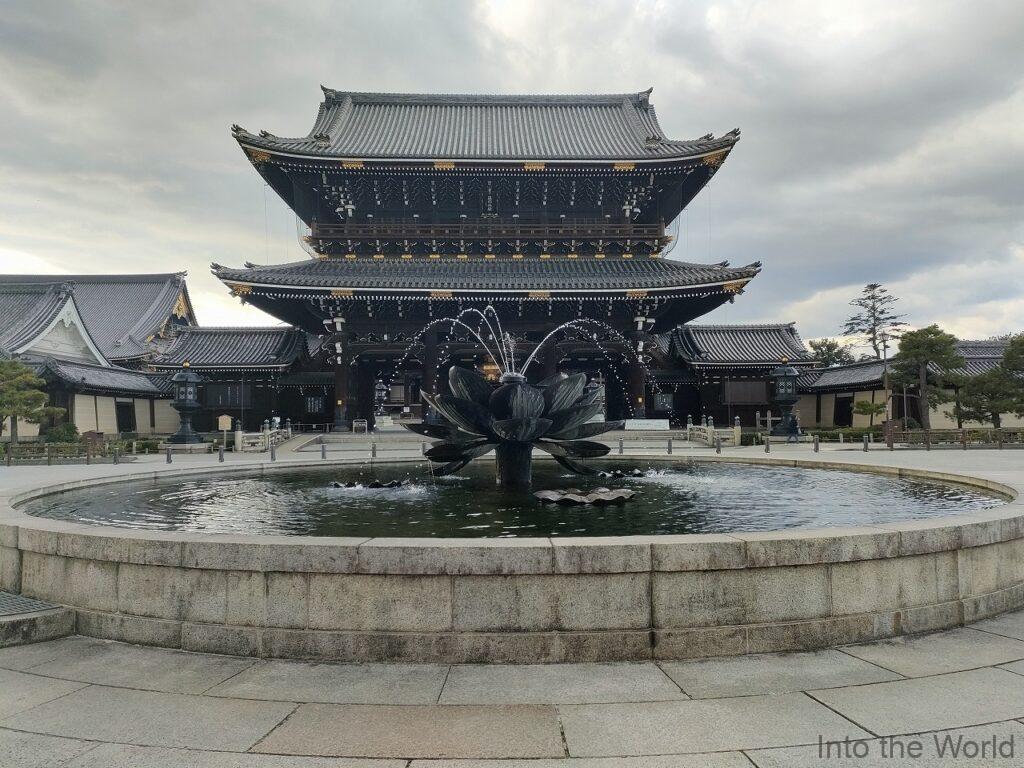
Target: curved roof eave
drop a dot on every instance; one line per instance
(249, 141)
(353, 126)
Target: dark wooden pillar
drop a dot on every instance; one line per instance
(637, 390)
(365, 394)
(342, 389)
(429, 382)
(551, 357)
(637, 380)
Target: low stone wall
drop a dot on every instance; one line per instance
(523, 600)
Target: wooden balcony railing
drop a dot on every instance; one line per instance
(487, 229)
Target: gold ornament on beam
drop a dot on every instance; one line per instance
(180, 307)
(715, 160)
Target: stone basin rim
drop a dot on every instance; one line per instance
(1009, 515)
(536, 600)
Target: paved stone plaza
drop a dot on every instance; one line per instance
(83, 702)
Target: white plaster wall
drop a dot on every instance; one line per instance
(166, 418)
(25, 430)
(65, 342)
(865, 421)
(941, 421)
(107, 421)
(84, 413)
(828, 410)
(805, 410)
(142, 416)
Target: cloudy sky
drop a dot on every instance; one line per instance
(882, 141)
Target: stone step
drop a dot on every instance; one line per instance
(24, 620)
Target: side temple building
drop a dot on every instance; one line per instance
(88, 336)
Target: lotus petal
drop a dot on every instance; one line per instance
(571, 498)
(559, 456)
(525, 402)
(454, 450)
(438, 431)
(552, 380)
(565, 393)
(590, 395)
(586, 430)
(521, 430)
(450, 468)
(577, 449)
(573, 417)
(572, 466)
(465, 414)
(469, 385)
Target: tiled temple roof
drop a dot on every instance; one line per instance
(121, 312)
(233, 348)
(979, 357)
(95, 378)
(867, 373)
(26, 310)
(730, 345)
(479, 275)
(495, 127)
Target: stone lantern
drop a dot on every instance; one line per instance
(785, 396)
(186, 403)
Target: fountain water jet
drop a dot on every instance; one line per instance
(514, 417)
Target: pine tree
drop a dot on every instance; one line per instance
(829, 352)
(927, 350)
(876, 319)
(986, 397)
(22, 397)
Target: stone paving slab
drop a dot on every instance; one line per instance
(134, 666)
(19, 691)
(337, 683)
(25, 656)
(1016, 667)
(31, 750)
(156, 719)
(130, 756)
(772, 673)
(558, 684)
(893, 754)
(414, 731)
(714, 760)
(699, 726)
(948, 701)
(951, 651)
(1007, 625)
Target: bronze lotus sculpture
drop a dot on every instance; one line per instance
(512, 419)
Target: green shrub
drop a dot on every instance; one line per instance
(849, 433)
(62, 433)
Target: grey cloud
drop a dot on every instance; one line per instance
(115, 151)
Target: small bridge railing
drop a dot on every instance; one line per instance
(710, 435)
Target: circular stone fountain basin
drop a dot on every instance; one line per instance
(558, 596)
(671, 498)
